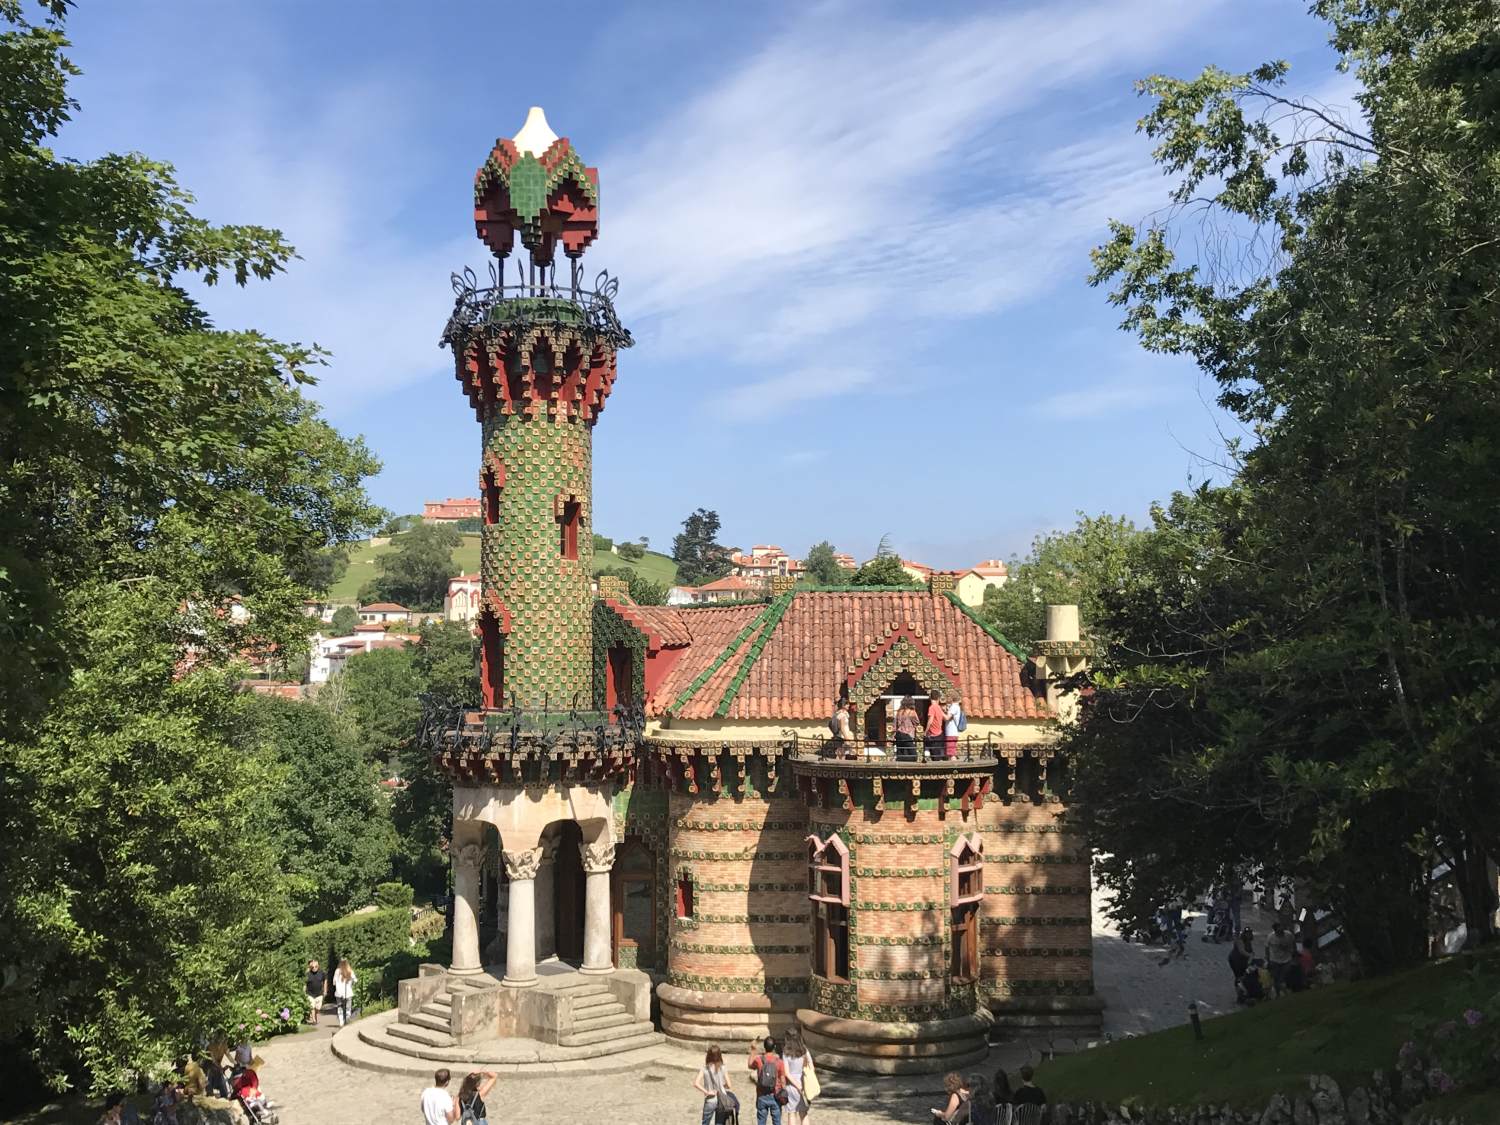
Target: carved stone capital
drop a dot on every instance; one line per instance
(597, 857)
(523, 864)
(469, 857)
(549, 848)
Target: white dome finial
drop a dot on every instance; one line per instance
(536, 136)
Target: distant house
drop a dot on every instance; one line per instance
(378, 613)
(763, 563)
(680, 595)
(728, 589)
(846, 561)
(330, 653)
(461, 602)
(451, 510)
(972, 583)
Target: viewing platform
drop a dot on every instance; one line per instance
(518, 746)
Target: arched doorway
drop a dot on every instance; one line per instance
(633, 894)
(568, 892)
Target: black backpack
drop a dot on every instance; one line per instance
(767, 1074)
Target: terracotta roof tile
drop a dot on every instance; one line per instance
(820, 637)
(662, 623)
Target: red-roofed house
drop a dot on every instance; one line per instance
(972, 583)
(380, 612)
(461, 602)
(451, 510)
(763, 563)
(731, 588)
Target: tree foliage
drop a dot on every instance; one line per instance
(151, 468)
(643, 591)
(1329, 681)
(822, 567)
(324, 811)
(696, 549)
(1072, 567)
(345, 618)
(415, 572)
(375, 695)
(883, 570)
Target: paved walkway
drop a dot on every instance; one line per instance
(315, 1088)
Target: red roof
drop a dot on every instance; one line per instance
(461, 508)
(662, 624)
(369, 627)
(383, 607)
(820, 637)
(732, 584)
(990, 568)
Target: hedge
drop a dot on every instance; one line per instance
(393, 895)
(371, 938)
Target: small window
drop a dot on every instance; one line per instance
(828, 889)
(491, 492)
(964, 962)
(685, 895)
(831, 941)
(571, 511)
(828, 871)
(966, 869)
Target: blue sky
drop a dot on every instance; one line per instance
(852, 238)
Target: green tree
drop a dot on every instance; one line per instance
(153, 466)
(643, 591)
(696, 549)
(446, 662)
(415, 572)
(329, 821)
(631, 552)
(884, 569)
(399, 525)
(375, 694)
(1365, 659)
(345, 618)
(822, 567)
(1070, 567)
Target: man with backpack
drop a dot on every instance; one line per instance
(770, 1081)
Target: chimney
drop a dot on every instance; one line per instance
(782, 584)
(942, 582)
(1062, 623)
(1064, 653)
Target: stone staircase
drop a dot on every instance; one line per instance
(595, 1018)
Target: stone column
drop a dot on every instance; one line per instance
(468, 858)
(598, 858)
(545, 898)
(520, 940)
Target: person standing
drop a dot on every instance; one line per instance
(933, 743)
(343, 991)
(1236, 901)
(1239, 954)
(798, 1061)
(316, 980)
(713, 1082)
(471, 1095)
(907, 721)
(438, 1106)
(770, 1081)
(1281, 947)
(954, 724)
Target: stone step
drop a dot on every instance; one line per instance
(595, 1023)
(426, 1036)
(593, 1000)
(577, 988)
(593, 1011)
(621, 1034)
(442, 1000)
(429, 1020)
(384, 1041)
(441, 1011)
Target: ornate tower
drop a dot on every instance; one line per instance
(536, 358)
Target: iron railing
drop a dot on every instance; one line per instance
(885, 751)
(533, 731)
(534, 298)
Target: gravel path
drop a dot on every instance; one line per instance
(315, 1088)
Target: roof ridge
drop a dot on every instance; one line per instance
(994, 634)
(719, 661)
(771, 618)
(910, 588)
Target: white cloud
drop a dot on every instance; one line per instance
(765, 397)
(1097, 401)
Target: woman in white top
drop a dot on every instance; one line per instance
(710, 1082)
(797, 1058)
(343, 990)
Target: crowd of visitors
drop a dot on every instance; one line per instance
(439, 1107)
(974, 1101)
(217, 1072)
(1281, 968)
(939, 733)
(781, 1072)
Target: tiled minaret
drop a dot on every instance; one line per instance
(536, 357)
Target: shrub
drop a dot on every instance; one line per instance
(370, 938)
(1461, 1053)
(389, 896)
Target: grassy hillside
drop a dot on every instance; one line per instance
(1345, 1030)
(657, 568)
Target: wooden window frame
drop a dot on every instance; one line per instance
(966, 858)
(827, 862)
(682, 894)
(963, 966)
(819, 867)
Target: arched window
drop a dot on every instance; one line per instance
(828, 891)
(684, 893)
(966, 889)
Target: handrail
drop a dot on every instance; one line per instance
(967, 748)
(474, 307)
(534, 730)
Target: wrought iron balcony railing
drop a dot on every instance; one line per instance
(535, 732)
(530, 300)
(969, 749)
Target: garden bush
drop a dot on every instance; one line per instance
(371, 938)
(392, 895)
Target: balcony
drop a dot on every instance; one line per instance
(528, 745)
(848, 757)
(524, 303)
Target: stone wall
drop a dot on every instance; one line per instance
(1374, 1103)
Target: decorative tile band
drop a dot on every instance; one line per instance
(697, 947)
(738, 826)
(1000, 951)
(1017, 829)
(795, 986)
(898, 906)
(898, 974)
(1000, 920)
(1036, 890)
(863, 838)
(751, 919)
(898, 872)
(751, 887)
(751, 855)
(915, 939)
(1058, 857)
